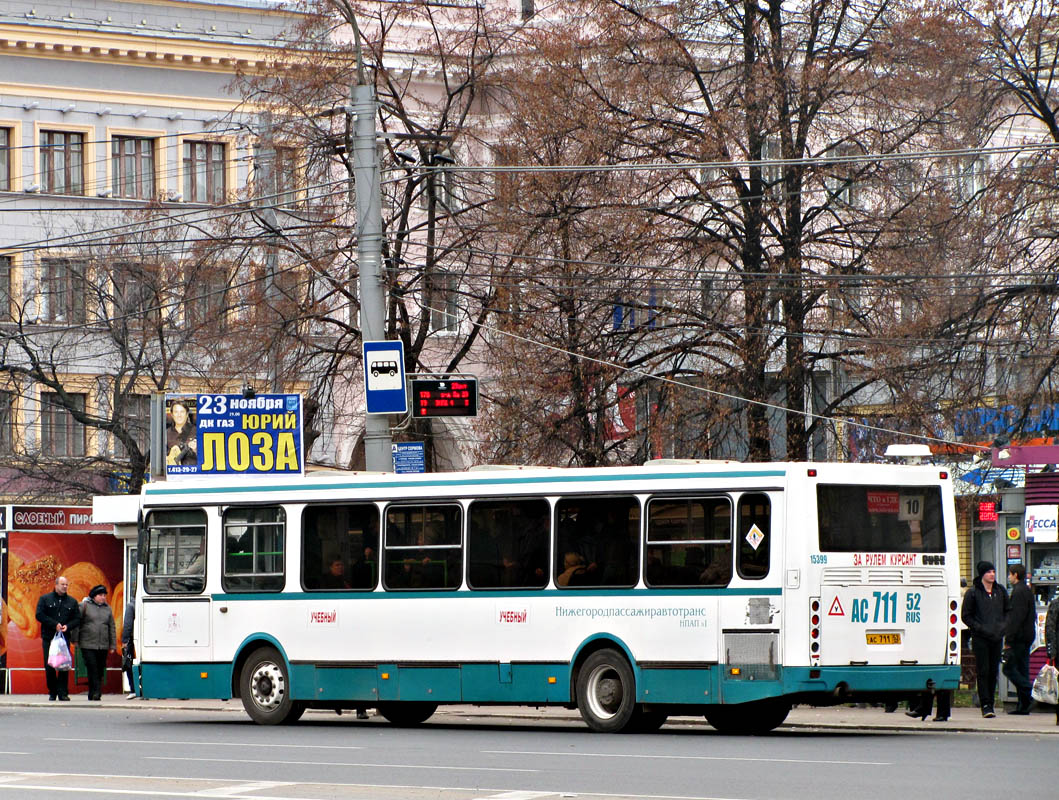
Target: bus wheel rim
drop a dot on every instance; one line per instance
(266, 685)
(605, 692)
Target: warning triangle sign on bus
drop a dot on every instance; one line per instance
(836, 609)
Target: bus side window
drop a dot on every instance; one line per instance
(689, 542)
(507, 544)
(423, 547)
(340, 547)
(754, 536)
(598, 541)
(253, 549)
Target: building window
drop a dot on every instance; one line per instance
(136, 419)
(136, 299)
(204, 172)
(841, 179)
(443, 185)
(207, 298)
(64, 289)
(442, 296)
(60, 434)
(7, 415)
(970, 175)
(286, 172)
(62, 162)
(625, 307)
(132, 167)
(5, 159)
(5, 289)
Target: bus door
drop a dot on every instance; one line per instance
(174, 615)
(883, 597)
(751, 656)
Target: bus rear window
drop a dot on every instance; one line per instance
(880, 519)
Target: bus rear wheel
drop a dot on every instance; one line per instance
(749, 719)
(265, 689)
(404, 714)
(606, 692)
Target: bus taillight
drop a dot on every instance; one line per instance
(954, 633)
(814, 629)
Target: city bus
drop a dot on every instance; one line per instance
(720, 589)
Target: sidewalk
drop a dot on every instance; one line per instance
(834, 717)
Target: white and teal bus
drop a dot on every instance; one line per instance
(721, 589)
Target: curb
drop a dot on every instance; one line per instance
(869, 723)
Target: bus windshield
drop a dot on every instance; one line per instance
(880, 519)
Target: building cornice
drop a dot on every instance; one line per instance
(146, 50)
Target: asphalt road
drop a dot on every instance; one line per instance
(110, 752)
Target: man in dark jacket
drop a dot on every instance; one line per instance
(1020, 629)
(985, 607)
(57, 612)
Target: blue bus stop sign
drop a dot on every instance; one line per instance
(384, 382)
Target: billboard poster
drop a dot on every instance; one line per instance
(229, 434)
(34, 561)
(4, 619)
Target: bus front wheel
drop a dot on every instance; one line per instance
(606, 692)
(265, 689)
(404, 714)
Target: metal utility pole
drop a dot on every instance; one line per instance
(267, 199)
(377, 440)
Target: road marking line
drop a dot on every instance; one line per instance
(214, 744)
(688, 758)
(518, 795)
(340, 764)
(157, 792)
(14, 752)
(228, 791)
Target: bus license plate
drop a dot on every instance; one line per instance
(884, 638)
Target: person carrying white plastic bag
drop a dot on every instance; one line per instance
(57, 613)
(1051, 642)
(59, 658)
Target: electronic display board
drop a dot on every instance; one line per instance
(445, 398)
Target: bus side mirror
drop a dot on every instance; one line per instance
(141, 539)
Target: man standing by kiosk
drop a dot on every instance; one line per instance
(1019, 632)
(985, 607)
(57, 612)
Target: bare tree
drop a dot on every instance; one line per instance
(759, 156)
(429, 65)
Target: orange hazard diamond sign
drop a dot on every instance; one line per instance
(836, 609)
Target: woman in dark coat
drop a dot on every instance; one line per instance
(97, 636)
